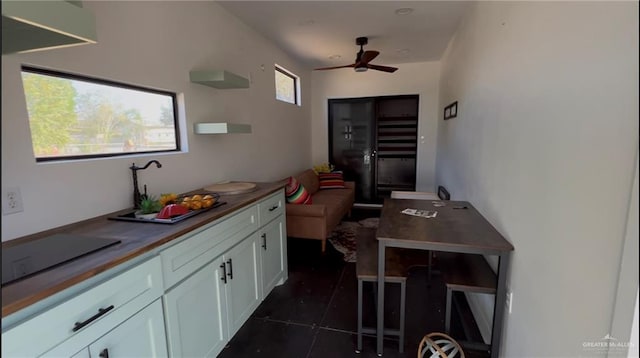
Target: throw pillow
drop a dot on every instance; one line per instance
(296, 192)
(333, 180)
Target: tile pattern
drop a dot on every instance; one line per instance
(314, 313)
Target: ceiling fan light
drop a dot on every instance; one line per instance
(360, 69)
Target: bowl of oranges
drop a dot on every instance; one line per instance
(198, 201)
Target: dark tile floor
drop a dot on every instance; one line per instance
(314, 313)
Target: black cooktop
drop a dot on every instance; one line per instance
(35, 256)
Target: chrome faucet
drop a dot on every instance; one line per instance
(137, 197)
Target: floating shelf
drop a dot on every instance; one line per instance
(221, 128)
(40, 25)
(218, 79)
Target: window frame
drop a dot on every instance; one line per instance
(102, 81)
(296, 85)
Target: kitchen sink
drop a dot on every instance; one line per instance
(134, 216)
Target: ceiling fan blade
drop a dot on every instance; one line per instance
(334, 67)
(382, 68)
(368, 56)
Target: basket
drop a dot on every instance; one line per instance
(439, 345)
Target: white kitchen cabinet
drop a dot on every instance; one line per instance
(67, 329)
(197, 248)
(273, 241)
(82, 354)
(142, 335)
(243, 282)
(196, 313)
(204, 310)
(273, 254)
(271, 207)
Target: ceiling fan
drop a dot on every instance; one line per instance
(362, 60)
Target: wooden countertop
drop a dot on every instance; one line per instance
(136, 239)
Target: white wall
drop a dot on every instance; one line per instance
(156, 44)
(411, 78)
(628, 279)
(544, 147)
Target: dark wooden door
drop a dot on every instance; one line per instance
(373, 140)
(352, 143)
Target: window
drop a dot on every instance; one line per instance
(77, 117)
(287, 86)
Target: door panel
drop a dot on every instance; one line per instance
(244, 281)
(373, 141)
(351, 126)
(272, 254)
(195, 314)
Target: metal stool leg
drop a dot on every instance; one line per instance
(447, 315)
(359, 346)
(403, 296)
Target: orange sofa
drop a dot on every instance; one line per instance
(317, 220)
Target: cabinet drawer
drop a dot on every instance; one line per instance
(118, 298)
(196, 250)
(270, 207)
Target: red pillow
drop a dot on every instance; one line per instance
(296, 192)
(333, 180)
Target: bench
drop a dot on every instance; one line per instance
(397, 265)
(465, 273)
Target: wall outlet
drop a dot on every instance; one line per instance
(509, 301)
(12, 201)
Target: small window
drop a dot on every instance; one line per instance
(77, 117)
(287, 86)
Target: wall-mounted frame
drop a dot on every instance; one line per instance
(451, 111)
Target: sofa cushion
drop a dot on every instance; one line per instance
(296, 193)
(333, 180)
(309, 179)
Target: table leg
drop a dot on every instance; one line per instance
(500, 300)
(380, 320)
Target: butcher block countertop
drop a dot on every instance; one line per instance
(136, 239)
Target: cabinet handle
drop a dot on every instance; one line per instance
(230, 273)
(104, 353)
(264, 241)
(101, 312)
(274, 207)
(224, 272)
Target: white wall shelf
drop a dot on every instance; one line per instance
(40, 25)
(221, 128)
(218, 79)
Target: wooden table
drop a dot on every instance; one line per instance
(458, 227)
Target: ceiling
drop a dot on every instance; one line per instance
(323, 33)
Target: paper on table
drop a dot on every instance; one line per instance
(422, 213)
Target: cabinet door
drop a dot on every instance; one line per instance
(196, 313)
(82, 354)
(142, 335)
(244, 282)
(272, 253)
